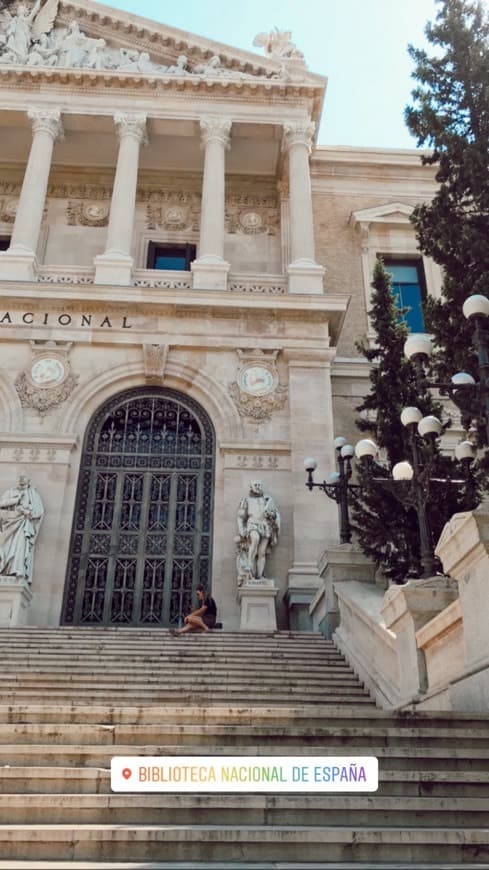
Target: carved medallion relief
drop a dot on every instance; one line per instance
(48, 381)
(257, 391)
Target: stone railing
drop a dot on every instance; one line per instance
(163, 279)
(159, 278)
(273, 284)
(66, 274)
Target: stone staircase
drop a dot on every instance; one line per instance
(73, 698)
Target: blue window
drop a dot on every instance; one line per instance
(409, 290)
(173, 257)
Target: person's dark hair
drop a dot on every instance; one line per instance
(201, 588)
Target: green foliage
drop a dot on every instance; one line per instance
(450, 115)
(386, 529)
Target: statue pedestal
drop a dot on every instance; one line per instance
(15, 597)
(257, 603)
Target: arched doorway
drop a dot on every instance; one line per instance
(142, 531)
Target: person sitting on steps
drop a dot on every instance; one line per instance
(201, 619)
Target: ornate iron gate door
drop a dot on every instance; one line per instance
(142, 533)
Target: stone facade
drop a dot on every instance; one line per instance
(100, 159)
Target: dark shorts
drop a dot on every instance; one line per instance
(210, 620)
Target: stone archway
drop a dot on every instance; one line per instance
(142, 532)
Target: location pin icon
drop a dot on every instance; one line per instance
(127, 773)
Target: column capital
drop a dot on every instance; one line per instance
(46, 121)
(131, 124)
(298, 133)
(216, 129)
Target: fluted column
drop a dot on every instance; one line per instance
(210, 270)
(305, 275)
(19, 262)
(114, 266)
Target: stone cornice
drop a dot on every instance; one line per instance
(305, 306)
(136, 84)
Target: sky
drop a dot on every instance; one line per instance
(360, 45)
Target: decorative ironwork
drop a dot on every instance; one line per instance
(142, 533)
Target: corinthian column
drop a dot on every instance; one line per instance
(19, 262)
(305, 276)
(210, 270)
(114, 266)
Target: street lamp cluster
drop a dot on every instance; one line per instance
(412, 481)
(471, 397)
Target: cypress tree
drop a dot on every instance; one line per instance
(386, 529)
(450, 115)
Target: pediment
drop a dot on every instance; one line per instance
(56, 34)
(390, 213)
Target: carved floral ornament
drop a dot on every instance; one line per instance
(30, 37)
(87, 214)
(46, 121)
(298, 133)
(8, 210)
(48, 381)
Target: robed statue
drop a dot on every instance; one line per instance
(258, 532)
(21, 514)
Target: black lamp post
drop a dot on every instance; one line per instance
(337, 485)
(412, 482)
(471, 397)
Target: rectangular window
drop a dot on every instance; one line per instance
(409, 288)
(4, 242)
(173, 257)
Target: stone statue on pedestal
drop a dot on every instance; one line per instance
(21, 514)
(259, 530)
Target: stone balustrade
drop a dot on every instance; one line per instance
(66, 275)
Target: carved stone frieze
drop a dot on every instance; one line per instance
(87, 214)
(257, 392)
(42, 400)
(8, 210)
(79, 191)
(48, 381)
(251, 214)
(176, 212)
(258, 462)
(34, 38)
(260, 408)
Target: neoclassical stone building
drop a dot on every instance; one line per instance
(184, 274)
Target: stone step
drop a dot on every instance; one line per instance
(241, 865)
(333, 714)
(245, 715)
(180, 679)
(91, 695)
(164, 640)
(209, 734)
(96, 780)
(244, 809)
(192, 645)
(117, 668)
(241, 843)
(390, 757)
(154, 631)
